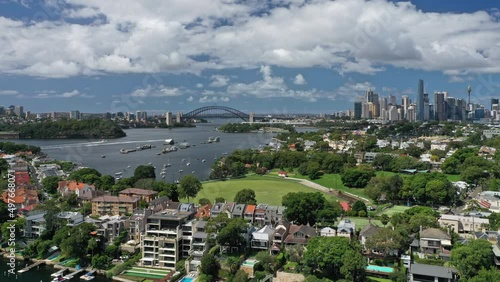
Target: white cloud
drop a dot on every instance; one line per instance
(186, 36)
(299, 80)
(190, 99)
(51, 94)
(157, 91)
(199, 85)
(219, 80)
(213, 99)
(9, 92)
(351, 90)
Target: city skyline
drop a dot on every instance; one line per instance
(272, 57)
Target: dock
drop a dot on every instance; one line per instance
(59, 273)
(27, 268)
(73, 274)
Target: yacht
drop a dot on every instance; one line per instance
(59, 279)
(217, 139)
(103, 156)
(118, 173)
(210, 139)
(158, 154)
(128, 166)
(203, 160)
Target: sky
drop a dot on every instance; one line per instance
(274, 56)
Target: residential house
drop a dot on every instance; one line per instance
(35, 224)
(24, 198)
(143, 194)
(461, 224)
(327, 232)
(282, 173)
(346, 228)
(217, 209)
(308, 145)
(260, 214)
(431, 273)
(71, 218)
(490, 235)
(249, 213)
(496, 252)
(434, 241)
(345, 206)
(369, 231)
(162, 244)
(199, 245)
(490, 200)
(228, 209)
(110, 227)
(203, 212)
(83, 191)
(487, 152)
(299, 235)
(238, 210)
(279, 236)
(22, 178)
(369, 157)
(113, 205)
(262, 238)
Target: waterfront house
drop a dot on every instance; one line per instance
(35, 224)
(369, 231)
(110, 227)
(143, 194)
(71, 218)
(83, 191)
(460, 224)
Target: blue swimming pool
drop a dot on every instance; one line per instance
(187, 279)
(377, 268)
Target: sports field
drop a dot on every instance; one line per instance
(393, 210)
(267, 190)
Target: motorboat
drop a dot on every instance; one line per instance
(180, 170)
(203, 160)
(103, 156)
(217, 139)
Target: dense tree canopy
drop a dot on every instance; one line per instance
(245, 196)
(144, 171)
(470, 258)
(302, 208)
(357, 177)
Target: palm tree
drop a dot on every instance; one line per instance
(232, 263)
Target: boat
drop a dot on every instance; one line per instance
(126, 151)
(169, 142)
(203, 160)
(184, 145)
(192, 172)
(183, 160)
(59, 278)
(118, 173)
(217, 139)
(158, 154)
(210, 139)
(103, 156)
(188, 163)
(180, 170)
(163, 177)
(88, 276)
(128, 166)
(150, 163)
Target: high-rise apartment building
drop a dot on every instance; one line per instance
(406, 103)
(426, 106)
(494, 101)
(74, 115)
(19, 111)
(358, 109)
(440, 106)
(420, 100)
(168, 118)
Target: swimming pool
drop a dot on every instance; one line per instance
(249, 262)
(377, 268)
(186, 279)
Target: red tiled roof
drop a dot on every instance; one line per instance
(22, 177)
(22, 195)
(203, 211)
(250, 209)
(282, 172)
(345, 206)
(73, 185)
(138, 191)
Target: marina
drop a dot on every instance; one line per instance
(59, 273)
(27, 268)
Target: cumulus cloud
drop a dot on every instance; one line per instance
(219, 81)
(9, 92)
(158, 91)
(213, 99)
(191, 36)
(299, 80)
(190, 99)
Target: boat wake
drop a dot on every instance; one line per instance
(97, 143)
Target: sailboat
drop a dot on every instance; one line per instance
(188, 163)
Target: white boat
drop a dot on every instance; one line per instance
(59, 279)
(180, 170)
(118, 173)
(192, 172)
(128, 166)
(217, 139)
(203, 160)
(169, 142)
(150, 163)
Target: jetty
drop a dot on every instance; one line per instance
(59, 273)
(73, 274)
(27, 268)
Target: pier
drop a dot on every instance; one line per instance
(27, 268)
(59, 273)
(73, 274)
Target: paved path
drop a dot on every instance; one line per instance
(316, 186)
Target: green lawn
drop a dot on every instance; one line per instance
(393, 210)
(267, 190)
(330, 181)
(362, 222)
(378, 279)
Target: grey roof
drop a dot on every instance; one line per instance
(434, 233)
(239, 209)
(218, 207)
(36, 216)
(432, 270)
(201, 224)
(369, 230)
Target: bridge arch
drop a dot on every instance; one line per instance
(216, 111)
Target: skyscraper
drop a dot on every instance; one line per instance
(406, 104)
(168, 118)
(440, 106)
(420, 100)
(494, 101)
(358, 109)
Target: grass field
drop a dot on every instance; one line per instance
(393, 210)
(330, 181)
(362, 222)
(378, 279)
(267, 190)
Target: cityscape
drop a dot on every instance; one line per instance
(250, 141)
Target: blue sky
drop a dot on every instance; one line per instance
(282, 56)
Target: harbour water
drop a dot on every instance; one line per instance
(105, 156)
(37, 274)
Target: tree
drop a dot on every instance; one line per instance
(167, 189)
(204, 201)
(189, 187)
(383, 162)
(353, 265)
(437, 190)
(451, 165)
(486, 275)
(210, 266)
(145, 183)
(302, 208)
(50, 184)
(470, 258)
(385, 241)
(357, 177)
(79, 175)
(240, 276)
(232, 263)
(313, 170)
(220, 200)
(107, 181)
(245, 196)
(358, 206)
(384, 218)
(101, 261)
(333, 163)
(231, 234)
(473, 174)
(3, 166)
(144, 171)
